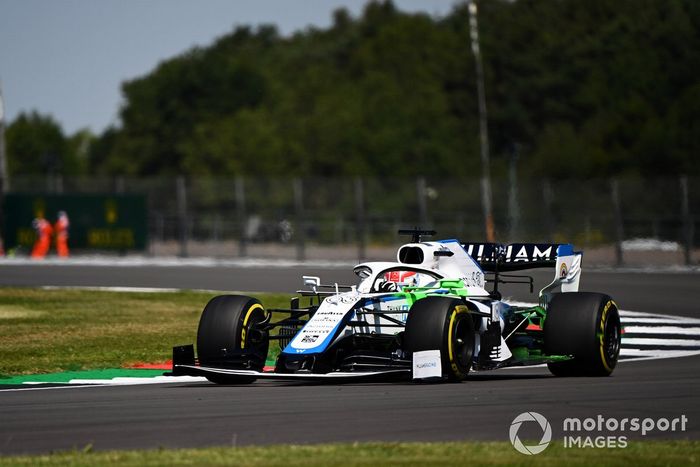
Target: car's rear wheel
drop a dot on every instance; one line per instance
(227, 337)
(444, 324)
(586, 326)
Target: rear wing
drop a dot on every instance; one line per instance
(493, 257)
(516, 256)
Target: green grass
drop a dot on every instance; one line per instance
(45, 331)
(381, 454)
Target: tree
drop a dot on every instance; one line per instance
(36, 145)
(586, 89)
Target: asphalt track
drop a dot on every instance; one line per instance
(676, 293)
(200, 414)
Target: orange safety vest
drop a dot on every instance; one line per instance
(62, 236)
(43, 241)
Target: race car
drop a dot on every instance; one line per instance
(433, 315)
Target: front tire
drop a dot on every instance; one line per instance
(227, 338)
(587, 326)
(445, 324)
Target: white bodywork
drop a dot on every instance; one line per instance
(429, 262)
(331, 312)
(459, 266)
(567, 274)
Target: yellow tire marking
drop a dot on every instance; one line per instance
(603, 319)
(245, 321)
(458, 310)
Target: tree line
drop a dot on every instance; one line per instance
(574, 89)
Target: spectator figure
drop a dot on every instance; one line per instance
(61, 228)
(43, 237)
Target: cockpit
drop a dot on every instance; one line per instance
(388, 277)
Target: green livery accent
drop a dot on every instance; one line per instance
(67, 376)
(534, 315)
(450, 286)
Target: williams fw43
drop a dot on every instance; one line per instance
(434, 314)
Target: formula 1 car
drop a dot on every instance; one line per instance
(428, 316)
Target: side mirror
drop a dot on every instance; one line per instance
(312, 281)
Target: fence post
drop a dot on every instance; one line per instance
(687, 221)
(299, 212)
(360, 213)
(182, 214)
(159, 220)
(54, 183)
(216, 229)
(4, 179)
(241, 215)
(619, 226)
(4, 176)
(119, 185)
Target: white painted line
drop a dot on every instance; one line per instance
(667, 320)
(662, 330)
(125, 381)
(643, 314)
(662, 357)
(660, 342)
(657, 353)
(113, 289)
(94, 383)
(660, 319)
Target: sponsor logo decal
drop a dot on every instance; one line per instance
(475, 279)
(427, 364)
(343, 299)
(514, 253)
(432, 364)
(322, 325)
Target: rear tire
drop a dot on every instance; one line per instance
(225, 331)
(587, 326)
(445, 324)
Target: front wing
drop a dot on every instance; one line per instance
(335, 376)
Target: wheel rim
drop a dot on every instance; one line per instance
(252, 339)
(462, 348)
(611, 339)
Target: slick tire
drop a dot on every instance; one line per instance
(445, 324)
(587, 326)
(225, 326)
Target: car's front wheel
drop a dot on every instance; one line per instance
(444, 324)
(227, 337)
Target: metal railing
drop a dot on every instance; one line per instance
(235, 216)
